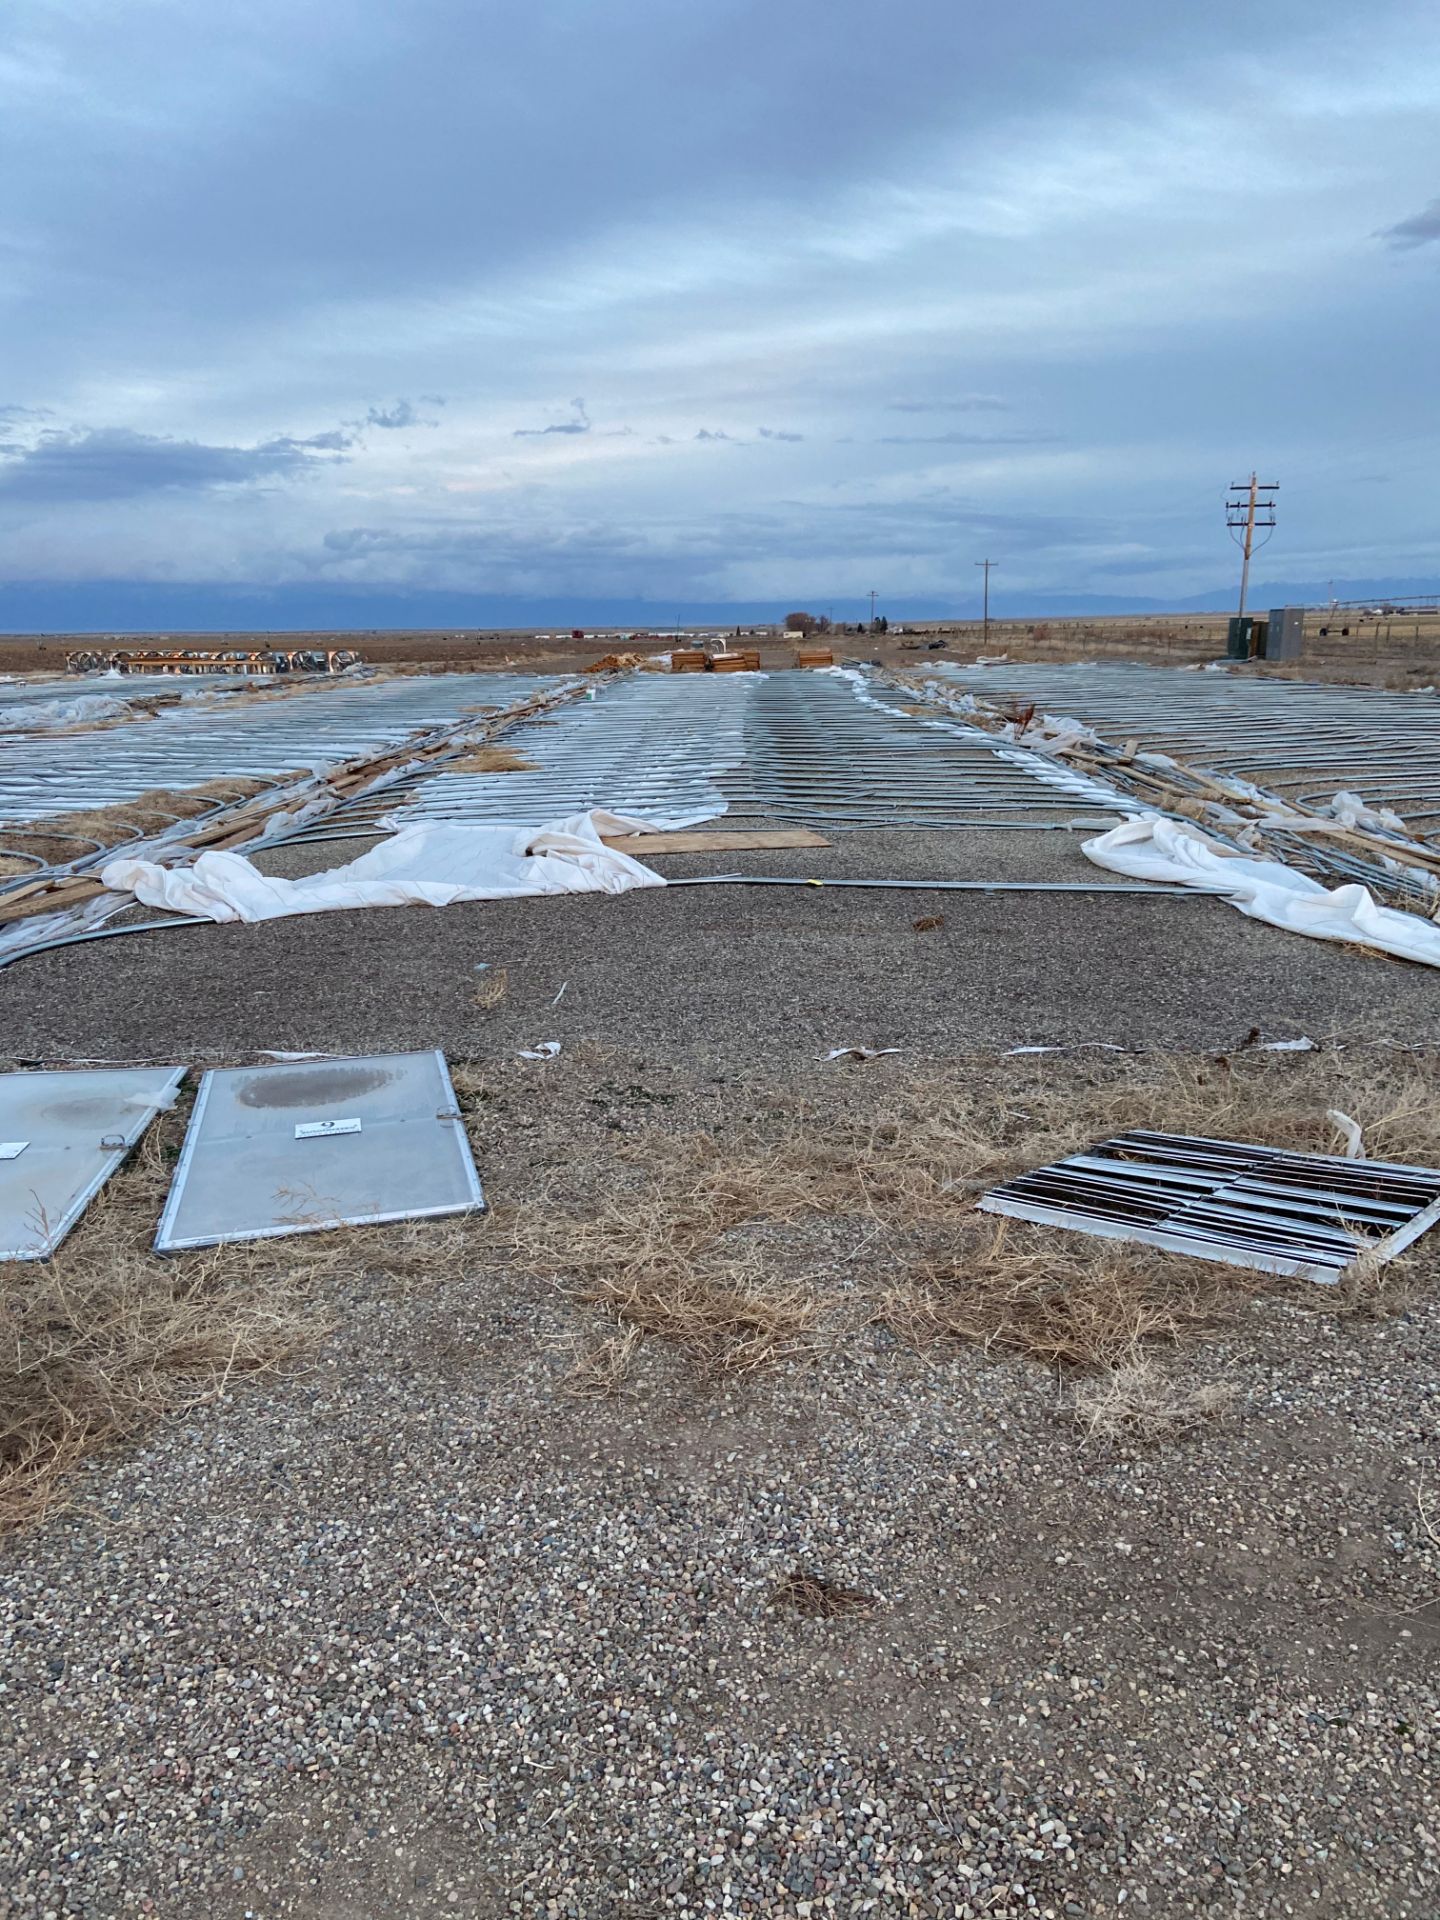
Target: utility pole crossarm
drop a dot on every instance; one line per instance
(1245, 511)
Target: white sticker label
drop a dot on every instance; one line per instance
(322, 1129)
(12, 1149)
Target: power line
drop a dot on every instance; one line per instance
(1250, 509)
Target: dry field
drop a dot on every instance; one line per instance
(1398, 651)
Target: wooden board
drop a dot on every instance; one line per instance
(699, 841)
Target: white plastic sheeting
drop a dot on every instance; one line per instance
(431, 865)
(1149, 847)
(43, 716)
(1051, 733)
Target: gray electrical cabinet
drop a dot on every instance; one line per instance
(1286, 636)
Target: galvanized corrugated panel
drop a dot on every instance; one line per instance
(261, 737)
(1307, 1214)
(817, 748)
(1302, 741)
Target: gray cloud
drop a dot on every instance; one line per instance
(968, 403)
(719, 434)
(402, 414)
(70, 464)
(580, 424)
(1417, 231)
(957, 439)
(115, 463)
(624, 558)
(775, 433)
(602, 556)
(17, 416)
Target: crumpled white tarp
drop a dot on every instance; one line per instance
(1344, 812)
(1053, 733)
(1149, 847)
(44, 716)
(1352, 811)
(430, 864)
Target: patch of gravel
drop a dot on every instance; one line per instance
(411, 1629)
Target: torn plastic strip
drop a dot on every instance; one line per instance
(938, 886)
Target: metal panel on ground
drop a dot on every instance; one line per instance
(61, 1137)
(1310, 1215)
(1301, 740)
(315, 1144)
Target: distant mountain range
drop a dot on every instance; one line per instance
(139, 606)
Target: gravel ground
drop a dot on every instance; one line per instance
(783, 971)
(411, 1629)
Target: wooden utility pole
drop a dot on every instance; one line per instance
(1247, 509)
(986, 564)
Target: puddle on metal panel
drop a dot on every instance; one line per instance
(311, 1087)
(81, 1112)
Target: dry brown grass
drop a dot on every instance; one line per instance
(814, 1597)
(817, 1215)
(1141, 1400)
(488, 760)
(490, 989)
(1064, 1299)
(809, 1214)
(600, 1369)
(99, 1341)
(673, 1270)
(150, 811)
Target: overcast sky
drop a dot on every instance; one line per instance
(724, 299)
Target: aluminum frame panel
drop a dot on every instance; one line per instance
(65, 1133)
(306, 1147)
